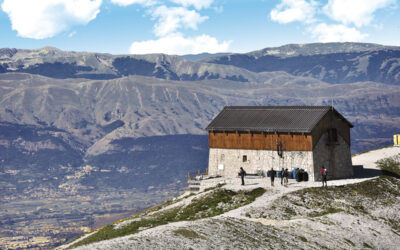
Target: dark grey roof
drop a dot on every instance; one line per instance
(297, 119)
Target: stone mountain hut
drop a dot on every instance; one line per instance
(260, 137)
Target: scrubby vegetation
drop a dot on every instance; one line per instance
(188, 234)
(214, 203)
(390, 166)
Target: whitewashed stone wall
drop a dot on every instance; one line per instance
(340, 166)
(230, 161)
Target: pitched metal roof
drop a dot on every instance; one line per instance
(297, 119)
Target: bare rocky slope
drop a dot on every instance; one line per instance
(349, 214)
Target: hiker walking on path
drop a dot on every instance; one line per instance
(273, 173)
(242, 174)
(324, 175)
(285, 176)
(282, 171)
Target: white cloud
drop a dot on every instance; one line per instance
(73, 33)
(177, 44)
(357, 12)
(198, 4)
(130, 2)
(171, 19)
(294, 10)
(336, 33)
(45, 18)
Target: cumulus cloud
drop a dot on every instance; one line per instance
(168, 21)
(130, 2)
(172, 18)
(45, 18)
(349, 16)
(357, 12)
(336, 33)
(177, 44)
(198, 4)
(293, 10)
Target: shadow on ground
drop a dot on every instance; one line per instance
(360, 172)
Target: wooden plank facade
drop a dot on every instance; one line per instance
(331, 120)
(260, 141)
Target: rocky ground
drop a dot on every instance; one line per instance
(351, 213)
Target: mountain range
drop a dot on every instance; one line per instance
(96, 121)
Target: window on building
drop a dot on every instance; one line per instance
(332, 135)
(244, 158)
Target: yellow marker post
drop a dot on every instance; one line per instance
(396, 140)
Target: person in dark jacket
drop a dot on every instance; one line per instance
(285, 176)
(242, 174)
(282, 171)
(273, 173)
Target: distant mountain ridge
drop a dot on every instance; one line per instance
(202, 56)
(311, 49)
(330, 62)
(55, 63)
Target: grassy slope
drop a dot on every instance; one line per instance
(217, 202)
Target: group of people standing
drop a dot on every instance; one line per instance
(284, 174)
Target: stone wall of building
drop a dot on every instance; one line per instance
(335, 157)
(227, 162)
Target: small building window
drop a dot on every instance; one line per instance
(332, 135)
(244, 158)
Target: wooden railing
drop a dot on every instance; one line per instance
(193, 176)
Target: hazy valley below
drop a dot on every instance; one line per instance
(89, 136)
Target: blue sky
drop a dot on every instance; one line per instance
(193, 26)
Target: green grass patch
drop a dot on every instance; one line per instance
(219, 185)
(350, 242)
(290, 211)
(217, 202)
(366, 245)
(330, 210)
(303, 239)
(188, 234)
